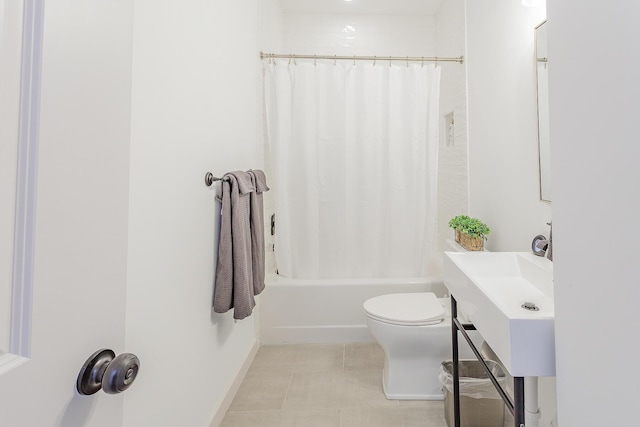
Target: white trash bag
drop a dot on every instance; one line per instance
(474, 381)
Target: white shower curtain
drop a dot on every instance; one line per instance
(353, 153)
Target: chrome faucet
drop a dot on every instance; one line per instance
(541, 246)
(550, 246)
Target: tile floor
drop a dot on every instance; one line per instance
(324, 385)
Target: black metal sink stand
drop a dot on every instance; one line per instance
(516, 407)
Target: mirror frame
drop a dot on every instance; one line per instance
(544, 142)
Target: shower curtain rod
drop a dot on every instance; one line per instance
(293, 56)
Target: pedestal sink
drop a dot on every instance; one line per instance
(508, 296)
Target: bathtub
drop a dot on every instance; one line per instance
(294, 311)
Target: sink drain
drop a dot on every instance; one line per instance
(530, 306)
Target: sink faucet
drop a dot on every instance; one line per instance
(541, 246)
(550, 246)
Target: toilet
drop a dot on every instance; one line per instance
(414, 331)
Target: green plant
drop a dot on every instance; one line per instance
(471, 226)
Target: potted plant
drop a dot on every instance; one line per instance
(470, 232)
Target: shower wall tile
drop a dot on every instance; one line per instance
(381, 35)
(270, 39)
(453, 161)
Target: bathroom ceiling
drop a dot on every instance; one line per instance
(374, 7)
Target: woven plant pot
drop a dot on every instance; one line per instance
(468, 242)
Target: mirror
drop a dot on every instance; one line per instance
(542, 69)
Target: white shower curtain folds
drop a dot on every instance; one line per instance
(354, 160)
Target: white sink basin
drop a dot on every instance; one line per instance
(490, 288)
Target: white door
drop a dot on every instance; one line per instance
(80, 245)
(10, 46)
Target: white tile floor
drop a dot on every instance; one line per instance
(324, 385)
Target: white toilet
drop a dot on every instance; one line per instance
(414, 330)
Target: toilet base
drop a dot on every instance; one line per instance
(416, 378)
(413, 356)
(399, 396)
(411, 371)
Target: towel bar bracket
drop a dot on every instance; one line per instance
(209, 179)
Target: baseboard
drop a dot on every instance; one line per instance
(234, 387)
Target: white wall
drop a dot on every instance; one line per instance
(502, 126)
(194, 100)
(503, 147)
(594, 119)
(453, 177)
(270, 26)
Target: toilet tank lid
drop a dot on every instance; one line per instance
(407, 308)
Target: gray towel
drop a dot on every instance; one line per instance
(259, 180)
(234, 275)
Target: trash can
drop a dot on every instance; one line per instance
(480, 403)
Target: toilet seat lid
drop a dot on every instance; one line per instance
(411, 309)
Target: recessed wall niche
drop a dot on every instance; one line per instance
(449, 130)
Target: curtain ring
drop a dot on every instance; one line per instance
(335, 60)
(315, 60)
(422, 62)
(389, 61)
(407, 62)
(354, 60)
(374, 61)
(294, 59)
(436, 61)
(290, 57)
